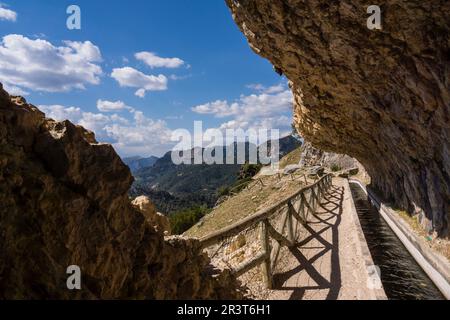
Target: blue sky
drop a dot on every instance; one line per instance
(139, 69)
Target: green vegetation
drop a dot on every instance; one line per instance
(223, 191)
(245, 175)
(335, 168)
(185, 219)
(173, 188)
(442, 246)
(291, 158)
(241, 184)
(249, 170)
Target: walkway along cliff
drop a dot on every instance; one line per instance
(381, 96)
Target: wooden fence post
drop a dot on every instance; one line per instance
(314, 198)
(302, 209)
(320, 189)
(265, 245)
(261, 182)
(289, 223)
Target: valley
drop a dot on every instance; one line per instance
(177, 187)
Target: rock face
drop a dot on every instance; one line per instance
(64, 202)
(312, 157)
(157, 220)
(381, 96)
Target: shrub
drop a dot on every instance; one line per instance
(335, 168)
(249, 170)
(241, 184)
(182, 220)
(223, 191)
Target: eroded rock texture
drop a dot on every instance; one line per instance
(159, 221)
(313, 157)
(63, 201)
(380, 96)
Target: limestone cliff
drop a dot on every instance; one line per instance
(64, 202)
(381, 96)
(311, 156)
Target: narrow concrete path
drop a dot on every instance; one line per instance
(330, 260)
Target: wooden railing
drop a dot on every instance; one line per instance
(288, 214)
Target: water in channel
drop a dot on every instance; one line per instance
(402, 277)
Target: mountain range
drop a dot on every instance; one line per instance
(176, 187)
(137, 163)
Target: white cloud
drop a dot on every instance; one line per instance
(119, 119)
(182, 77)
(15, 91)
(270, 101)
(219, 108)
(268, 110)
(140, 93)
(60, 113)
(142, 130)
(144, 136)
(233, 124)
(139, 135)
(111, 106)
(275, 89)
(269, 90)
(7, 14)
(130, 77)
(94, 121)
(256, 86)
(86, 51)
(153, 61)
(277, 122)
(38, 65)
(175, 117)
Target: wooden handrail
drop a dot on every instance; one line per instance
(254, 219)
(268, 257)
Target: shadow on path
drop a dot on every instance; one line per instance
(322, 238)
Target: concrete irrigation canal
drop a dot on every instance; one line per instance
(401, 276)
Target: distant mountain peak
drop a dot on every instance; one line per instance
(137, 162)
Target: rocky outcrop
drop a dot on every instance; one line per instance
(157, 220)
(311, 156)
(381, 96)
(64, 202)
